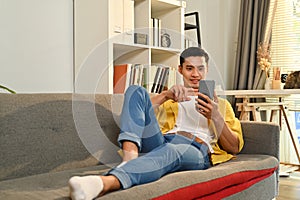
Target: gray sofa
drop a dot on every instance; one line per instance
(47, 138)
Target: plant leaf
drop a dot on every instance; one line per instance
(9, 90)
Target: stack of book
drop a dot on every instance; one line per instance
(154, 78)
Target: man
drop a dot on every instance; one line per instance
(172, 131)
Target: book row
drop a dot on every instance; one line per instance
(154, 78)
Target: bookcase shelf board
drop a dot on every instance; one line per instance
(138, 56)
(121, 49)
(163, 50)
(161, 5)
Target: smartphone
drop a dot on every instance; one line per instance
(207, 87)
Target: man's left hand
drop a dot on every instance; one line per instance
(209, 108)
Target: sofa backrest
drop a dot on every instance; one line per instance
(52, 132)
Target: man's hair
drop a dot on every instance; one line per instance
(193, 51)
(293, 81)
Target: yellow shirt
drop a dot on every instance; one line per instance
(167, 113)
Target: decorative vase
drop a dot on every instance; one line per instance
(276, 84)
(268, 84)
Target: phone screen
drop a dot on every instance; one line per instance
(207, 87)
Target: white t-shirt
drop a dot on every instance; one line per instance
(191, 121)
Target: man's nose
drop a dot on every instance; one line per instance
(196, 72)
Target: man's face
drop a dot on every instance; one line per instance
(193, 70)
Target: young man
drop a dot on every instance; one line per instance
(172, 131)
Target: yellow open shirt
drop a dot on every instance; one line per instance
(167, 113)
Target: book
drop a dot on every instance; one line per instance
(172, 77)
(159, 32)
(140, 74)
(133, 76)
(162, 79)
(121, 79)
(145, 79)
(156, 79)
(151, 72)
(156, 27)
(159, 82)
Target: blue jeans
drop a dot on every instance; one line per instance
(159, 154)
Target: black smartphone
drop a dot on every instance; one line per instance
(207, 87)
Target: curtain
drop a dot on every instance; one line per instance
(253, 29)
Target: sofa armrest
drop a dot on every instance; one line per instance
(261, 138)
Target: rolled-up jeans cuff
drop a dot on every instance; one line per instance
(122, 177)
(125, 136)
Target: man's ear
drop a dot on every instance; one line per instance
(180, 69)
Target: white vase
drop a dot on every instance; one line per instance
(268, 84)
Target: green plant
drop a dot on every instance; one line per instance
(7, 89)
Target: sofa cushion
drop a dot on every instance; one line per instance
(183, 184)
(225, 184)
(44, 186)
(224, 180)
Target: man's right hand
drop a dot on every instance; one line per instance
(180, 93)
(177, 93)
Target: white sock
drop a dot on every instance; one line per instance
(85, 187)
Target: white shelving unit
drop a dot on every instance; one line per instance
(104, 37)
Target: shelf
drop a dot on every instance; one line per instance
(157, 50)
(161, 5)
(121, 49)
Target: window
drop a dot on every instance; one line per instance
(285, 54)
(285, 35)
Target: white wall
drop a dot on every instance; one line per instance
(36, 49)
(36, 45)
(219, 29)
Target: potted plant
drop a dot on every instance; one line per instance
(264, 61)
